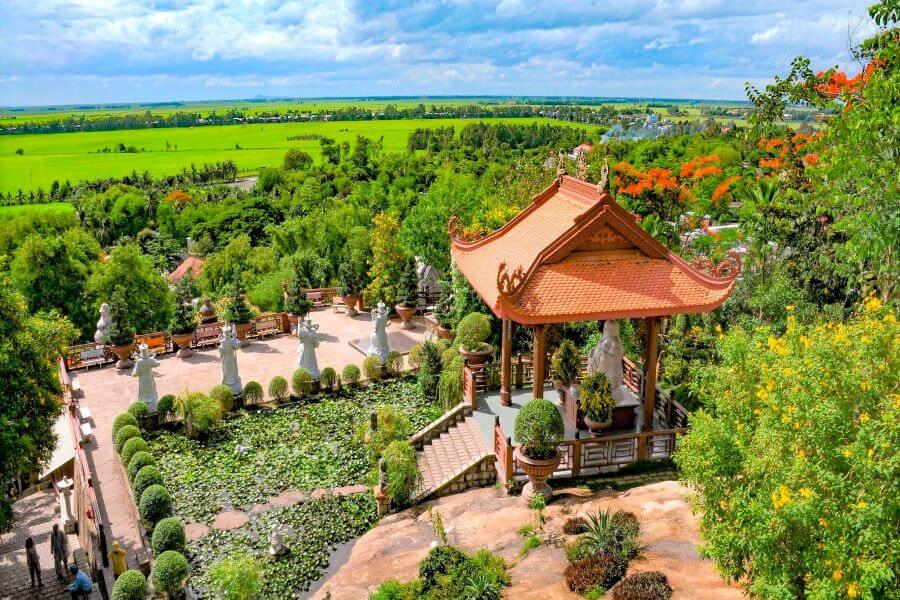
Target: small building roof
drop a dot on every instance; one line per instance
(574, 254)
(191, 264)
(585, 147)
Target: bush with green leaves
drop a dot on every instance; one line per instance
(372, 368)
(595, 397)
(450, 388)
(184, 317)
(444, 309)
(155, 504)
(237, 577)
(278, 389)
(574, 525)
(539, 429)
(393, 425)
(253, 393)
(121, 421)
(301, 383)
(120, 331)
(440, 561)
(402, 473)
(447, 357)
(414, 358)
(139, 409)
(199, 412)
(295, 301)
(124, 434)
(130, 585)
(170, 573)
(408, 290)
(166, 405)
(168, 535)
(138, 462)
(393, 366)
(146, 476)
(612, 533)
(430, 371)
(565, 366)
(594, 571)
(644, 585)
(327, 379)
(236, 308)
(473, 331)
(442, 345)
(132, 447)
(222, 394)
(350, 375)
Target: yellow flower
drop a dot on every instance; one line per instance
(801, 454)
(723, 504)
(864, 418)
(852, 590)
(718, 328)
(861, 504)
(789, 307)
(781, 497)
(873, 303)
(837, 575)
(823, 522)
(848, 452)
(806, 493)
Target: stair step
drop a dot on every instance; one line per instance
(444, 457)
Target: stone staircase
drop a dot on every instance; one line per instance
(455, 460)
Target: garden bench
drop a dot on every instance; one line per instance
(266, 325)
(337, 303)
(315, 298)
(158, 341)
(86, 355)
(84, 413)
(87, 432)
(207, 334)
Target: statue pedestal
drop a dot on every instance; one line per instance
(66, 516)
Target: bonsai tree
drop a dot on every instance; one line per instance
(295, 301)
(595, 398)
(566, 364)
(237, 310)
(408, 290)
(444, 309)
(120, 331)
(539, 429)
(352, 282)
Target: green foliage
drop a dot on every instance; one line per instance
(327, 379)
(301, 382)
(296, 160)
(199, 412)
(253, 393)
(539, 428)
(794, 456)
(296, 301)
(388, 259)
(595, 397)
(473, 331)
(430, 372)
(353, 278)
(222, 394)
(184, 317)
(121, 421)
(170, 572)
(130, 585)
(165, 405)
(139, 409)
(440, 560)
(408, 289)
(402, 472)
(603, 571)
(450, 388)
(538, 502)
(120, 331)
(444, 309)
(138, 461)
(124, 434)
(146, 476)
(566, 363)
(278, 389)
(611, 534)
(168, 535)
(236, 309)
(155, 504)
(447, 357)
(350, 375)
(393, 425)
(574, 525)
(132, 447)
(394, 364)
(236, 577)
(372, 368)
(644, 585)
(415, 356)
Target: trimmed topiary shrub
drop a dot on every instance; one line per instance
(414, 358)
(301, 383)
(121, 421)
(447, 357)
(473, 331)
(602, 570)
(253, 393)
(138, 462)
(372, 368)
(278, 389)
(125, 434)
(170, 572)
(539, 429)
(147, 475)
(155, 504)
(166, 405)
(648, 585)
(350, 375)
(327, 379)
(139, 410)
(394, 363)
(132, 447)
(131, 585)
(222, 394)
(565, 366)
(168, 535)
(402, 472)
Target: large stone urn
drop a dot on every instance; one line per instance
(123, 353)
(406, 314)
(538, 471)
(351, 303)
(207, 311)
(597, 426)
(477, 357)
(241, 330)
(183, 341)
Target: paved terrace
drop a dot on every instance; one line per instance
(108, 392)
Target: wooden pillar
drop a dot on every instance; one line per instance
(539, 360)
(505, 362)
(651, 362)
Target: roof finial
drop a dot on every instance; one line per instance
(604, 176)
(582, 166)
(561, 164)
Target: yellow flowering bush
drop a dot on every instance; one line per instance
(794, 458)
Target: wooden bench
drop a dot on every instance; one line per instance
(87, 432)
(207, 334)
(315, 298)
(158, 341)
(264, 325)
(86, 355)
(84, 413)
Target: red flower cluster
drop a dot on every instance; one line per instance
(770, 163)
(811, 159)
(178, 197)
(696, 169)
(838, 85)
(661, 179)
(724, 187)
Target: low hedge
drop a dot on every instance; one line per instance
(222, 394)
(132, 447)
(596, 571)
(170, 571)
(278, 389)
(165, 405)
(372, 368)
(131, 585)
(253, 393)
(155, 504)
(121, 421)
(168, 535)
(124, 434)
(138, 462)
(301, 383)
(139, 409)
(147, 475)
(327, 379)
(350, 375)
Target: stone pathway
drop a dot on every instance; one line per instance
(34, 517)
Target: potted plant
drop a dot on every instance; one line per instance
(183, 322)
(595, 399)
(538, 431)
(207, 311)
(238, 313)
(565, 368)
(443, 310)
(351, 285)
(471, 334)
(408, 294)
(296, 303)
(120, 334)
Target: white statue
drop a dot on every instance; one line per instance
(228, 351)
(103, 323)
(306, 349)
(607, 357)
(378, 342)
(143, 370)
(276, 542)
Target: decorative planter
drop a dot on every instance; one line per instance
(406, 313)
(597, 426)
(183, 341)
(560, 391)
(241, 330)
(443, 333)
(292, 318)
(478, 357)
(207, 312)
(351, 302)
(123, 353)
(538, 471)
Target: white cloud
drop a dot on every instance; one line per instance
(764, 37)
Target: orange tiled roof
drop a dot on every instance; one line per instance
(190, 264)
(574, 254)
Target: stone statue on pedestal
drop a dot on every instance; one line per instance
(378, 342)
(306, 349)
(103, 323)
(228, 351)
(607, 357)
(143, 370)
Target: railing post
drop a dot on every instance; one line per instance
(576, 456)
(642, 446)
(509, 460)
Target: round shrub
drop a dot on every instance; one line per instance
(132, 447)
(121, 421)
(602, 570)
(278, 389)
(440, 561)
(222, 394)
(166, 405)
(168, 535)
(447, 357)
(138, 462)
(327, 378)
(372, 368)
(253, 393)
(147, 475)
(301, 383)
(473, 331)
(131, 585)
(139, 409)
(647, 585)
(170, 571)
(402, 472)
(155, 504)
(539, 429)
(414, 358)
(394, 363)
(595, 397)
(565, 366)
(125, 434)
(350, 375)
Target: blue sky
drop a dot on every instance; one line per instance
(74, 51)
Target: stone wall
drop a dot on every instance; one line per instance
(480, 474)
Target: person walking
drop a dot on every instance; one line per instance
(117, 556)
(81, 587)
(34, 562)
(59, 546)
